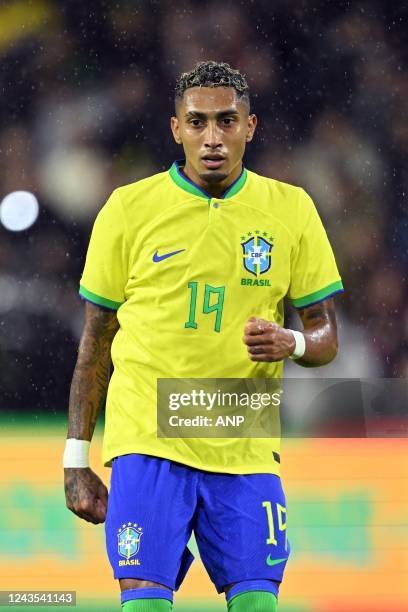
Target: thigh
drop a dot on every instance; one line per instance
(151, 505)
(241, 528)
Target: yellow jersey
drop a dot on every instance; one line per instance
(185, 271)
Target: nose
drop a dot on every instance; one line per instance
(212, 136)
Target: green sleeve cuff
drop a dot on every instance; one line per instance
(97, 299)
(318, 296)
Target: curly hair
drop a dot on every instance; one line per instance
(213, 74)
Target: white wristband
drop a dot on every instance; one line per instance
(76, 453)
(300, 346)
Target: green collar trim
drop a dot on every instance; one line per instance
(185, 183)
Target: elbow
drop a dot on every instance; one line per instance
(333, 350)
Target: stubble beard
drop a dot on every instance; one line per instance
(213, 177)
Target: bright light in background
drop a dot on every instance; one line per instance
(19, 210)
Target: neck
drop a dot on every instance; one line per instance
(215, 190)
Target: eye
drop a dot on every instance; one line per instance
(227, 121)
(195, 122)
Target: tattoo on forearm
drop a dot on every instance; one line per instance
(318, 312)
(92, 371)
(320, 329)
(321, 313)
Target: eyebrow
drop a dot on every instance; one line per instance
(198, 115)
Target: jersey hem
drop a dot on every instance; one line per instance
(98, 299)
(318, 296)
(240, 469)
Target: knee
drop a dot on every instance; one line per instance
(135, 583)
(136, 594)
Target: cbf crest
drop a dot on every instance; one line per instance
(129, 536)
(257, 256)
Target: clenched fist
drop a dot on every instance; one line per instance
(266, 341)
(85, 494)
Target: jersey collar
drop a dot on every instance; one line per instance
(185, 183)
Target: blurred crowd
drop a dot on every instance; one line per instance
(87, 92)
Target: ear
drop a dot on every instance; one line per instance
(174, 125)
(252, 123)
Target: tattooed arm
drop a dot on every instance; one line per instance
(85, 493)
(320, 331)
(266, 341)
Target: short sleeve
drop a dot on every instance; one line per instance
(314, 273)
(105, 273)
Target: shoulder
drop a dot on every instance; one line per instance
(149, 187)
(278, 189)
(287, 198)
(135, 200)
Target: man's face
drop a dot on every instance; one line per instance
(213, 126)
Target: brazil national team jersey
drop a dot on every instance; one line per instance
(185, 271)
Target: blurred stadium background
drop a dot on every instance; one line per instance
(86, 95)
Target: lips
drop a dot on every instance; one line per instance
(213, 161)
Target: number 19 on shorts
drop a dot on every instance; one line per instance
(272, 527)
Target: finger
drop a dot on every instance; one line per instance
(86, 508)
(256, 350)
(93, 510)
(95, 514)
(103, 493)
(90, 518)
(257, 340)
(260, 357)
(264, 357)
(259, 326)
(100, 510)
(255, 327)
(84, 515)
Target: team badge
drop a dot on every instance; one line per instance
(257, 256)
(129, 539)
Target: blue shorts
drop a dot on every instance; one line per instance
(154, 504)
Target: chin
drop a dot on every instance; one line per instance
(213, 177)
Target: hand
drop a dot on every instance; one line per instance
(266, 341)
(85, 494)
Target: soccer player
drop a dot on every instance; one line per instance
(185, 277)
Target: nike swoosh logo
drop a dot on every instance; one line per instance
(270, 561)
(157, 257)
